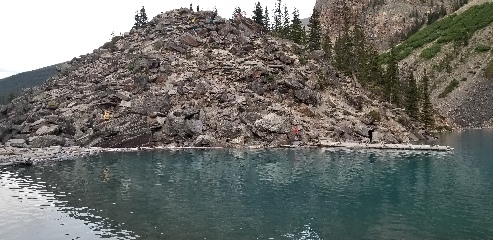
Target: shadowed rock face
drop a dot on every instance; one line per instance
(386, 23)
(180, 83)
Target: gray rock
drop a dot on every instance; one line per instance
(18, 143)
(194, 127)
(316, 54)
(46, 141)
(64, 68)
(273, 123)
(189, 40)
(293, 82)
(306, 96)
(174, 46)
(48, 130)
(204, 141)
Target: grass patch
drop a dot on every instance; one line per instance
(482, 48)
(452, 85)
(453, 28)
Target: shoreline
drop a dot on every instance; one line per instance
(12, 156)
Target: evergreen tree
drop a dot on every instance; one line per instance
(392, 79)
(314, 36)
(236, 12)
(327, 47)
(11, 97)
(426, 107)
(286, 23)
(266, 19)
(143, 16)
(297, 33)
(277, 25)
(258, 15)
(412, 107)
(140, 18)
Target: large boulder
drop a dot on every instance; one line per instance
(48, 130)
(273, 123)
(18, 143)
(189, 40)
(46, 141)
(306, 96)
(204, 141)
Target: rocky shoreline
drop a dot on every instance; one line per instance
(14, 156)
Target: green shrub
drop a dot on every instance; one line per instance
(431, 52)
(452, 85)
(482, 48)
(111, 44)
(374, 115)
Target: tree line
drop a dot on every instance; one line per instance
(352, 54)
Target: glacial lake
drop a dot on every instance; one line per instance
(257, 194)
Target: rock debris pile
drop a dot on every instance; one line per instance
(182, 81)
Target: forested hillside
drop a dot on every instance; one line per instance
(11, 86)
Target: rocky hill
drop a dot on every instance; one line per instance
(457, 54)
(176, 82)
(385, 22)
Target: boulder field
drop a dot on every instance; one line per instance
(182, 83)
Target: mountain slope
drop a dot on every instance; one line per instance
(456, 51)
(14, 84)
(178, 82)
(385, 22)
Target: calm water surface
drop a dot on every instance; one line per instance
(257, 194)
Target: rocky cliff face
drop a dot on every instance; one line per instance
(385, 22)
(178, 83)
(469, 103)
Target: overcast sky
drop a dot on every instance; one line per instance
(39, 33)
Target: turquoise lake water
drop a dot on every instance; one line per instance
(257, 194)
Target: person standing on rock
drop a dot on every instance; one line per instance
(198, 9)
(214, 14)
(370, 134)
(296, 133)
(191, 8)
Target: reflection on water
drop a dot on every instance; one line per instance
(31, 209)
(258, 194)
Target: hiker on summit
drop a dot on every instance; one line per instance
(214, 14)
(198, 9)
(191, 8)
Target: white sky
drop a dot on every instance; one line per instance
(39, 33)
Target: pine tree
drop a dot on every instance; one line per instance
(143, 16)
(392, 79)
(140, 18)
(297, 33)
(266, 19)
(327, 47)
(11, 97)
(412, 97)
(277, 25)
(426, 107)
(286, 23)
(258, 14)
(314, 36)
(236, 12)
